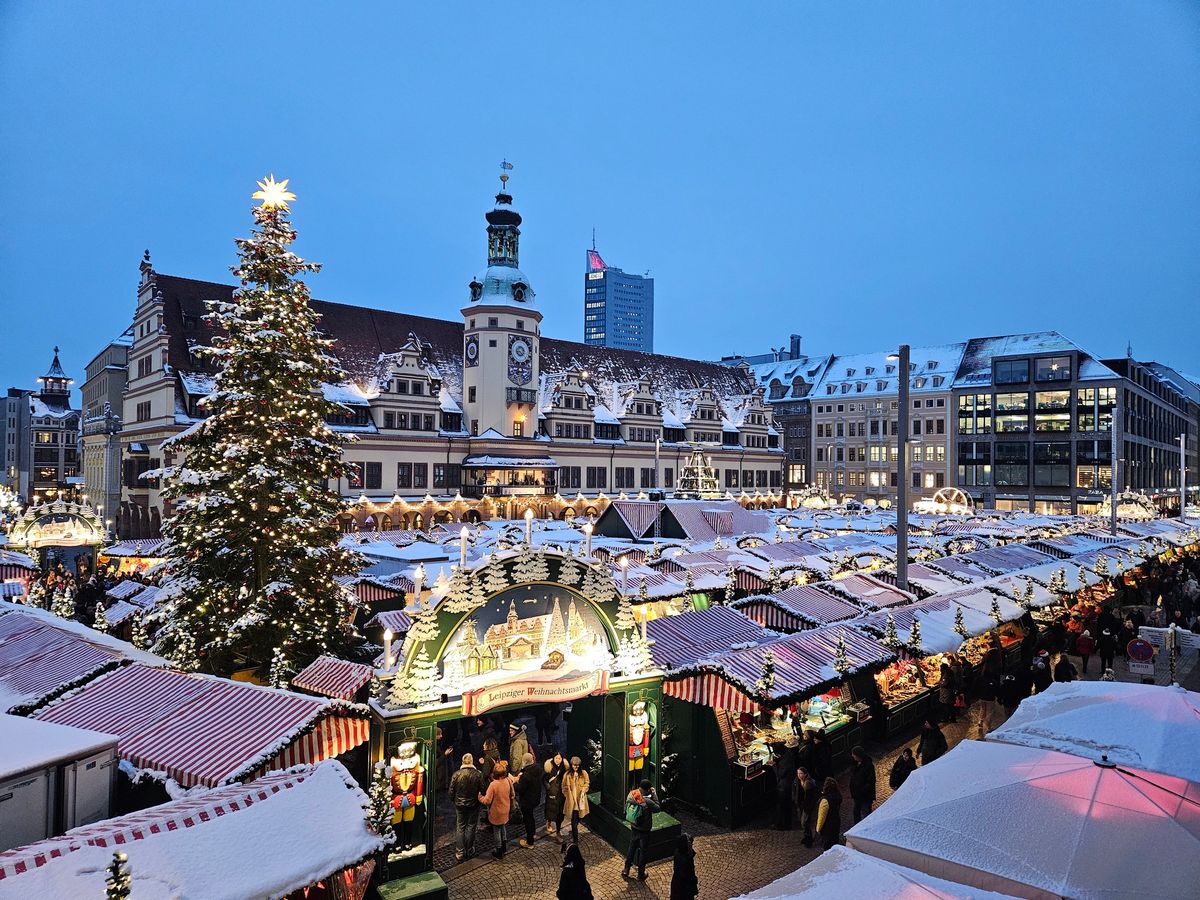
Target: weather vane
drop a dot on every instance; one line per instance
(505, 168)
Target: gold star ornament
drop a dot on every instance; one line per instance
(273, 194)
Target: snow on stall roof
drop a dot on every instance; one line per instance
(844, 874)
(30, 744)
(266, 839)
(1145, 726)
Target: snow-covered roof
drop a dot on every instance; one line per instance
(976, 368)
(870, 374)
(30, 744)
(255, 840)
(40, 409)
(841, 873)
(498, 282)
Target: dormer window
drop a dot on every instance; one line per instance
(890, 370)
(918, 382)
(870, 370)
(881, 385)
(931, 365)
(849, 373)
(937, 380)
(476, 290)
(518, 291)
(860, 387)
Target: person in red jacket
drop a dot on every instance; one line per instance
(1085, 646)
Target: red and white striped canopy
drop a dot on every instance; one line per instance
(201, 730)
(329, 676)
(38, 660)
(710, 690)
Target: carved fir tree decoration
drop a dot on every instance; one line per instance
(117, 882)
(960, 626)
(495, 578)
(381, 802)
(100, 623)
(841, 662)
(914, 639)
(253, 545)
(891, 639)
(570, 572)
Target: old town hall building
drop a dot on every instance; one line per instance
(482, 417)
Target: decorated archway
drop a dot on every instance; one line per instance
(58, 532)
(524, 627)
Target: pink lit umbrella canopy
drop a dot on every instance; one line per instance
(1042, 824)
(1141, 725)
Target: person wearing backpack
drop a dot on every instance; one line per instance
(640, 807)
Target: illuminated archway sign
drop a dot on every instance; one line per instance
(58, 524)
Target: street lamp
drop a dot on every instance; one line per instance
(902, 471)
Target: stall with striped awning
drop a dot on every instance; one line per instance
(328, 676)
(202, 730)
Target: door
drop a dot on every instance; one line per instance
(615, 752)
(87, 789)
(26, 802)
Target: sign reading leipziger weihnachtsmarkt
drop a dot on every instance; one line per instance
(573, 686)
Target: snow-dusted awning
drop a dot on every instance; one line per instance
(487, 461)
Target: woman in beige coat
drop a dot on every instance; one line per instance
(575, 786)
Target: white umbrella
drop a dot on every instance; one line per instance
(1041, 824)
(841, 873)
(1140, 725)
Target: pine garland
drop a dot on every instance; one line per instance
(253, 552)
(381, 803)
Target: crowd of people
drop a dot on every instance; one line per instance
(75, 596)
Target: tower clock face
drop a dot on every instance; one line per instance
(520, 360)
(472, 351)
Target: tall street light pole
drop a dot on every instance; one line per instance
(902, 474)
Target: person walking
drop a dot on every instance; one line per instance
(529, 795)
(932, 744)
(572, 879)
(575, 786)
(947, 693)
(553, 771)
(684, 884)
(904, 766)
(1106, 649)
(1064, 669)
(785, 778)
(829, 815)
(1085, 646)
(499, 798)
(862, 782)
(465, 787)
(808, 796)
(640, 807)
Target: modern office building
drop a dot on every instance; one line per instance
(16, 442)
(618, 308)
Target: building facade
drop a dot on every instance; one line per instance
(16, 441)
(54, 432)
(481, 417)
(787, 378)
(618, 308)
(103, 392)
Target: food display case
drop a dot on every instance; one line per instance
(905, 689)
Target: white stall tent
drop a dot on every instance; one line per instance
(1144, 726)
(1041, 824)
(841, 873)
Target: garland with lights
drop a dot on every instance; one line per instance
(252, 546)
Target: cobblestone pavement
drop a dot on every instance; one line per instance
(728, 863)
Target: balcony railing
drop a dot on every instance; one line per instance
(520, 395)
(476, 491)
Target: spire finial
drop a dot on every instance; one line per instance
(56, 351)
(505, 168)
(593, 237)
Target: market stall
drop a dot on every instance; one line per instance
(737, 709)
(797, 608)
(133, 556)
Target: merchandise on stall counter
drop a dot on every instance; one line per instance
(902, 681)
(1007, 635)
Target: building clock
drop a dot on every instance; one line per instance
(520, 360)
(472, 350)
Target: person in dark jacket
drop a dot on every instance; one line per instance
(932, 744)
(1085, 646)
(829, 815)
(1106, 649)
(785, 777)
(529, 794)
(640, 828)
(684, 885)
(902, 768)
(553, 771)
(465, 787)
(822, 762)
(808, 796)
(1064, 669)
(1041, 672)
(862, 782)
(806, 752)
(572, 880)
(947, 690)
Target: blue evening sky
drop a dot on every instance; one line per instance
(862, 174)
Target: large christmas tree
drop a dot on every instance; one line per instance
(253, 543)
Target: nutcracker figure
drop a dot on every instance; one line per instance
(639, 736)
(408, 791)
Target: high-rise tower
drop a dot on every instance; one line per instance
(618, 308)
